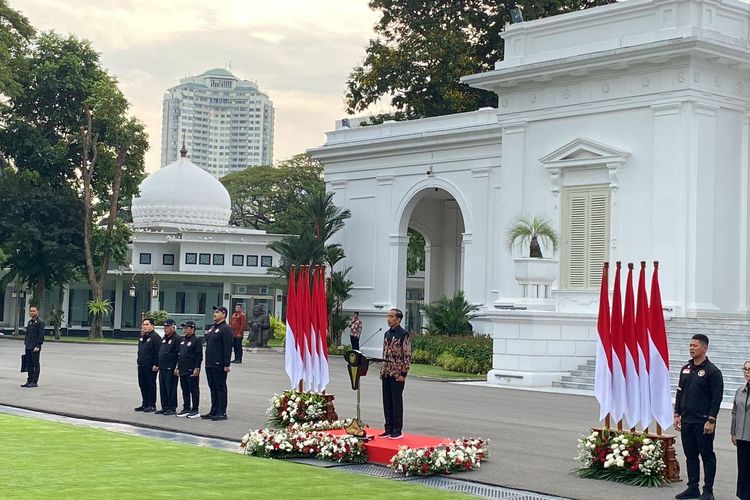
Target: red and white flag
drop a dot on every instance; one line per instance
(619, 392)
(320, 306)
(641, 333)
(603, 371)
(661, 394)
(632, 387)
(293, 349)
(309, 357)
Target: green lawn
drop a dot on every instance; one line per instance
(43, 459)
(438, 372)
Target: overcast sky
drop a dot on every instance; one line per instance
(298, 51)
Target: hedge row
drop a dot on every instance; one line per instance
(458, 354)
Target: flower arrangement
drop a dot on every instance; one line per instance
(293, 407)
(458, 456)
(622, 457)
(273, 443)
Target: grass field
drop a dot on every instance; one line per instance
(43, 459)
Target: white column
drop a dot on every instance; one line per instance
(743, 221)
(65, 306)
(397, 273)
(384, 260)
(510, 203)
(668, 203)
(118, 304)
(701, 199)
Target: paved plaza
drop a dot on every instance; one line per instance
(533, 434)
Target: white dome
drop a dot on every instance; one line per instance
(182, 192)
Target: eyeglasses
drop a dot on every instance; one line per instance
(744, 369)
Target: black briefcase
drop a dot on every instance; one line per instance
(23, 363)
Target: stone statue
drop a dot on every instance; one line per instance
(260, 326)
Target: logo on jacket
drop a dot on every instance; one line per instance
(701, 373)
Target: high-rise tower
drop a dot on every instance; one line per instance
(227, 123)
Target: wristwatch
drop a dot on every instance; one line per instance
(712, 420)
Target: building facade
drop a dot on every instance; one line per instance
(626, 125)
(227, 124)
(184, 259)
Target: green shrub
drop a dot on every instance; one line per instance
(462, 354)
(157, 316)
(450, 316)
(278, 328)
(422, 356)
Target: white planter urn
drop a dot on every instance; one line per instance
(536, 276)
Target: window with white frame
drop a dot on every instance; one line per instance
(585, 236)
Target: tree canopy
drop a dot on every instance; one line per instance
(423, 47)
(15, 35)
(66, 134)
(271, 197)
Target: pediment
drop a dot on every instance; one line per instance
(582, 152)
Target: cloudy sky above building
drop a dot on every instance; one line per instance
(298, 51)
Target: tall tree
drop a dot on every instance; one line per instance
(69, 124)
(15, 35)
(270, 197)
(423, 47)
(40, 231)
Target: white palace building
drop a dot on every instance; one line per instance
(184, 259)
(626, 125)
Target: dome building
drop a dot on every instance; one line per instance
(184, 256)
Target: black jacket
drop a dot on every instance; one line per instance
(191, 354)
(148, 349)
(168, 350)
(34, 334)
(699, 392)
(219, 342)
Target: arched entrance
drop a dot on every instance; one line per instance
(436, 215)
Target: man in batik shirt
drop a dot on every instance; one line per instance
(397, 360)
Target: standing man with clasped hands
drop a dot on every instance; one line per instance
(696, 407)
(168, 351)
(148, 365)
(219, 342)
(33, 347)
(396, 364)
(189, 369)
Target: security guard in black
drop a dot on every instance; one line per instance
(219, 342)
(696, 407)
(170, 347)
(188, 370)
(148, 365)
(699, 392)
(33, 347)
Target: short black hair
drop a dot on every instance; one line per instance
(399, 314)
(356, 312)
(700, 338)
(150, 320)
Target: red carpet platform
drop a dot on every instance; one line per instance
(380, 450)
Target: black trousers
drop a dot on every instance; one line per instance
(743, 470)
(147, 383)
(217, 383)
(191, 393)
(355, 343)
(238, 348)
(393, 405)
(695, 443)
(32, 365)
(168, 389)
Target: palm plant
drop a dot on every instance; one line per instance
(450, 316)
(98, 308)
(524, 229)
